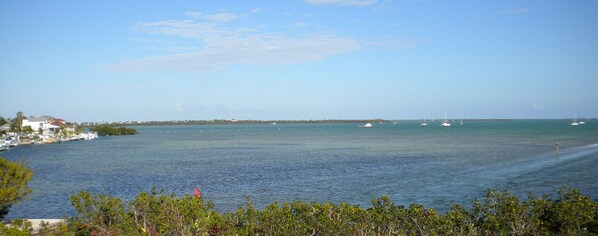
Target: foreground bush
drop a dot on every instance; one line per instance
(499, 213)
(152, 213)
(13, 184)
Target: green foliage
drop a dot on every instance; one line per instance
(3, 121)
(13, 184)
(499, 213)
(104, 130)
(18, 227)
(27, 130)
(15, 125)
(78, 130)
(152, 213)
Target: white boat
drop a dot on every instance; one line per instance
(445, 122)
(368, 125)
(575, 123)
(582, 122)
(3, 145)
(12, 141)
(461, 120)
(424, 124)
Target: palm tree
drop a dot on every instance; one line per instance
(16, 124)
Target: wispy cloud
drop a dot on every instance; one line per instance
(179, 107)
(257, 10)
(515, 11)
(221, 45)
(342, 2)
(223, 17)
(300, 24)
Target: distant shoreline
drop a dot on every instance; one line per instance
(225, 122)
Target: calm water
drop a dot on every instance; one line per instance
(316, 162)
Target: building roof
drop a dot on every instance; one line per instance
(39, 119)
(57, 122)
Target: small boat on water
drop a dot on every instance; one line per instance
(3, 145)
(368, 125)
(424, 124)
(575, 123)
(445, 122)
(12, 141)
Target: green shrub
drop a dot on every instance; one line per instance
(104, 130)
(152, 213)
(499, 213)
(13, 184)
(18, 227)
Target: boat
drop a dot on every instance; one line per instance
(11, 141)
(424, 124)
(575, 123)
(368, 125)
(582, 122)
(445, 122)
(461, 120)
(3, 145)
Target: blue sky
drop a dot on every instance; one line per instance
(299, 59)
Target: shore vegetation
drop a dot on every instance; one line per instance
(104, 130)
(13, 184)
(498, 213)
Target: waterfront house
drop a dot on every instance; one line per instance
(47, 124)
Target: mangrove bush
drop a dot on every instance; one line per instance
(104, 130)
(499, 213)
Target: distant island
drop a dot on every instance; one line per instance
(108, 130)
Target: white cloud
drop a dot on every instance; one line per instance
(300, 24)
(178, 107)
(258, 49)
(221, 45)
(181, 28)
(343, 2)
(515, 11)
(257, 10)
(221, 17)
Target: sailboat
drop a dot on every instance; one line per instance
(445, 123)
(461, 120)
(424, 124)
(575, 123)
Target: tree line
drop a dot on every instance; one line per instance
(104, 130)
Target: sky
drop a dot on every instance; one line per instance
(298, 59)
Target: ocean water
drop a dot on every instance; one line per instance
(430, 165)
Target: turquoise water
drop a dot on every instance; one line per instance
(410, 163)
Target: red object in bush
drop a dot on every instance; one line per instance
(197, 193)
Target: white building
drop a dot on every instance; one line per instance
(47, 124)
